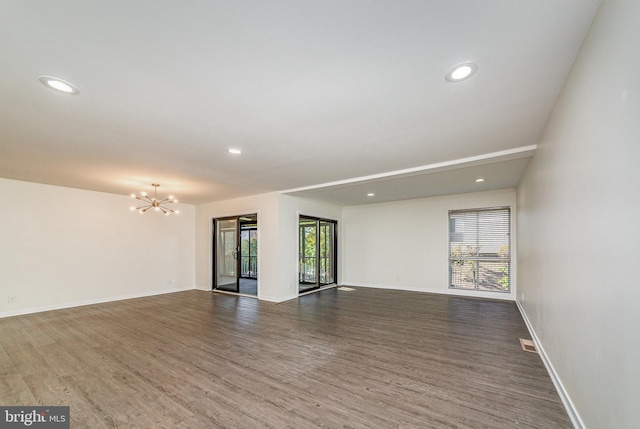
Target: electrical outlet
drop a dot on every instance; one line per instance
(12, 299)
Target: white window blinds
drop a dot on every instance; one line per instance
(479, 249)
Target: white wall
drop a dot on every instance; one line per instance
(267, 208)
(404, 244)
(277, 239)
(62, 247)
(579, 234)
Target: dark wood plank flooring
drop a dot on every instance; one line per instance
(368, 358)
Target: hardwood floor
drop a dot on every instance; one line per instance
(368, 358)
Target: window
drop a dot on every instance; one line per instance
(479, 249)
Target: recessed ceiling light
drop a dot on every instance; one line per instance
(480, 179)
(234, 151)
(370, 194)
(59, 85)
(461, 72)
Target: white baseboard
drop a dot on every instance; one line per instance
(88, 302)
(456, 292)
(277, 299)
(562, 392)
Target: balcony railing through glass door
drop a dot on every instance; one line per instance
(249, 267)
(308, 269)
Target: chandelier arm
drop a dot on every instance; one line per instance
(145, 199)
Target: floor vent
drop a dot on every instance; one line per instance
(346, 289)
(528, 346)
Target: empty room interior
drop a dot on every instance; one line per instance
(358, 214)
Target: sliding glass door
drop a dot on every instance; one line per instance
(226, 250)
(308, 265)
(326, 252)
(317, 250)
(235, 254)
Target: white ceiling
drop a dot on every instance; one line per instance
(499, 170)
(313, 92)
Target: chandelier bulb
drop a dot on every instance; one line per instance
(177, 212)
(132, 208)
(133, 195)
(144, 194)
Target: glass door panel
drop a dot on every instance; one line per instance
(249, 253)
(227, 254)
(308, 265)
(326, 248)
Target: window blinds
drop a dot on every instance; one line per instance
(479, 249)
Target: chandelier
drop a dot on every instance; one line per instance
(149, 202)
